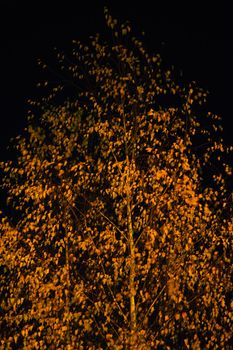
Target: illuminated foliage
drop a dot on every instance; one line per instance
(119, 239)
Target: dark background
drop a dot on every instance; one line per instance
(196, 40)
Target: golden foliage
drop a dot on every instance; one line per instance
(117, 240)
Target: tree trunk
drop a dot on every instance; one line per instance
(132, 290)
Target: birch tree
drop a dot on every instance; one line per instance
(119, 226)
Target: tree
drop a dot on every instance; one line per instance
(118, 239)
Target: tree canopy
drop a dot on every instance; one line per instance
(120, 230)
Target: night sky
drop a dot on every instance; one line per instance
(195, 40)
